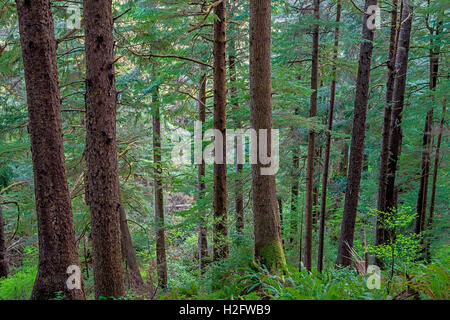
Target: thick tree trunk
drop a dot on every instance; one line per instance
(357, 144)
(4, 263)
(202, 228)
(268, 246)
(57, 248)
(380, 236)
(395, 139)
(309, 196)
(159, 197)
(101, 153)
(220, 230)
(426, 144)
(129, 254)
(326, 161)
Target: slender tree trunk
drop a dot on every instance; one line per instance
(343, 163)
(380, 236)
(4, 263)
(309, 197)
(133, 274)
(268, 246)
(294, 192)
(202, 233)
(395, 139)
(220, 231)
(57, 248)
(280, 210)
(435, 173)
(426, 144)
(357, 144)
(101, 153)
(159, 197)
(239, 196)
(326, 161)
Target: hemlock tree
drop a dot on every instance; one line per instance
(268, 246)
(57, 249)
(395, 139)
(357, 144)
(161, 263)
(380, 235)
(309, 193)
(220, 231)
(101, 153)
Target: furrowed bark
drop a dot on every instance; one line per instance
(380, 236)
(220, 230)
(57, 248)
(101, 153)
(395, 139)
(268, 246)
(357, 144)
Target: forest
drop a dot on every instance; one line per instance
(224, 150)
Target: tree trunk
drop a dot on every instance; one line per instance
(4, 263)
(326, 161)
(294, 192)
(395, 139)
(309, 196)
(239, 196)
(57, 248)
(426, 143)
(133, 274)
(268, 247)
(435, 172)
(159, 197)
(202, 233)
(220, 231)
(357, 144)
(384, 154)
(101, 153)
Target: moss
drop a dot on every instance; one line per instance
(272, 256)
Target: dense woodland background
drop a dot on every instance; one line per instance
(363, 177)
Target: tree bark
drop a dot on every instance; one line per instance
(357, 144)
(57, 248)
(309, 196)
(380, 236)
(435, 172)
(239, 196)
(426, 143)
(4, 261)
(101, 153)
(202, 233)
(133, 274)
(220, 230)
(326, 161)
(268, 246)
(395, 139)
(159, 196)
(294, 192)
